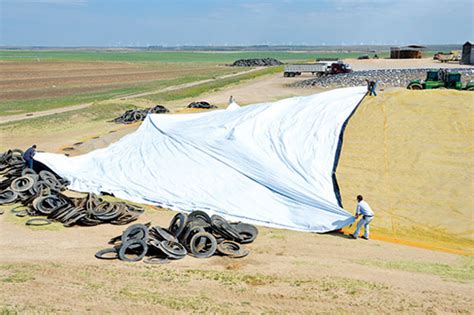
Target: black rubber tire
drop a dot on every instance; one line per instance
(232, 249)
(101, 254)
(22, 183)
(134, 245)
(248, 232)
(21, 214)
(415, 87)
(199, 214)
(173, 249)
(177, 228)
(197, 239)
(190, 231)
(163, 234)
(135, 232)
(22, 208)
(42, 222)
(8, 196)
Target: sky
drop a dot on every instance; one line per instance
(120, 23)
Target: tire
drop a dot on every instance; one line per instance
(38, 222)
(232, 249)
(415, 87)
(8, 196)
(138, 247)
(135, 232)
(248, 232)
(101, 254)
(190, 231)
(210, 242)
(199, 215)
(173, 249)
(177, 228)
(162, 234)
(470, 88)
(22, 183)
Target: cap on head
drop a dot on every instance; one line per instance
(360, 198)
(34, 146)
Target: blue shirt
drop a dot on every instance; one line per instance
(28, 155)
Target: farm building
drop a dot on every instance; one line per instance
(467, 54)
(407, 52)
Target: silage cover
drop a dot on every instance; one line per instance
(269, 164)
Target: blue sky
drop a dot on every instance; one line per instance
(239, 22)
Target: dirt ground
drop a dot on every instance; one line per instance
(53, 269)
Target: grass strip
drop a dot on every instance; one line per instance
(462, 272)
(165, 56)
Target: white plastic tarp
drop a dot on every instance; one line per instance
(269, 164)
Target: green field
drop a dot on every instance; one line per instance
(166, 56)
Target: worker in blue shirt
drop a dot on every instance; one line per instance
(371, 86)
(363, 209)
(28, 156)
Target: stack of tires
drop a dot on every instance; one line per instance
(195, 234)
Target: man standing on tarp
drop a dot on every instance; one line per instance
(28, 156)
(363, 209)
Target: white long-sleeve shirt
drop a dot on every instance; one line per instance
(364, 209)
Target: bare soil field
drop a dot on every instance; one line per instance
(28, 80)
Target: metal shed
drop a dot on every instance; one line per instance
(467, 54)
(406, 52)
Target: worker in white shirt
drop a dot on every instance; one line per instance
(363, 209)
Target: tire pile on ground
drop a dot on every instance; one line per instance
(384, 78)
(195, 234)
(256, 62)
(201, 105)
(41, 195)
(134, 115)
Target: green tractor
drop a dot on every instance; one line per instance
(436, 79)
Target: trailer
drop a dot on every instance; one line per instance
(316, 69)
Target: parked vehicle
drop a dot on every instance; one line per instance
(441, 78)
(317, 69)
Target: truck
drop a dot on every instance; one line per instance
(454, 55)
(317, 69)
(441, 78)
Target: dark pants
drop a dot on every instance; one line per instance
(29, 164)
(372, 91)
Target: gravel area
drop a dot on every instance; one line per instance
(384, 78)
(256, 62)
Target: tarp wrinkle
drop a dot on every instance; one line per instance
(269, 164)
